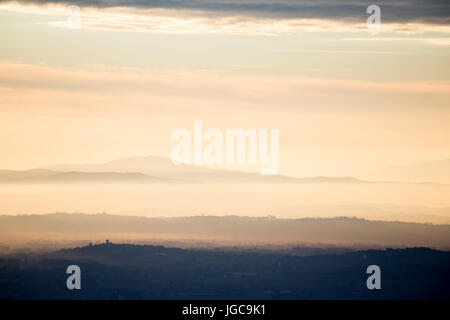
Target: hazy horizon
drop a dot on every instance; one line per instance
(147, 186)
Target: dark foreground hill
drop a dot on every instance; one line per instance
(110, 271)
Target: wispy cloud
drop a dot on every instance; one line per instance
(330, 51)
(62, 86)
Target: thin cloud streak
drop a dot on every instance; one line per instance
(37, 75)
(374, 52)
(96, 82)
(434, 41)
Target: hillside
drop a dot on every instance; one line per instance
(123, 271)
(263, 230)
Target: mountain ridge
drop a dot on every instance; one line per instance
(338, 230)
(160, 169)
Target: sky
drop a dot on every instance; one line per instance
(348, 99)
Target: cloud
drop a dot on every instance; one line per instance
(262, 17)
(394, 11)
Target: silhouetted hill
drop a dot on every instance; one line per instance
(123, 271)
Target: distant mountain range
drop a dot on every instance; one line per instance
(149, 170)
(153, 169)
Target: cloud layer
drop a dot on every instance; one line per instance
(248, 17)
(393, 11)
